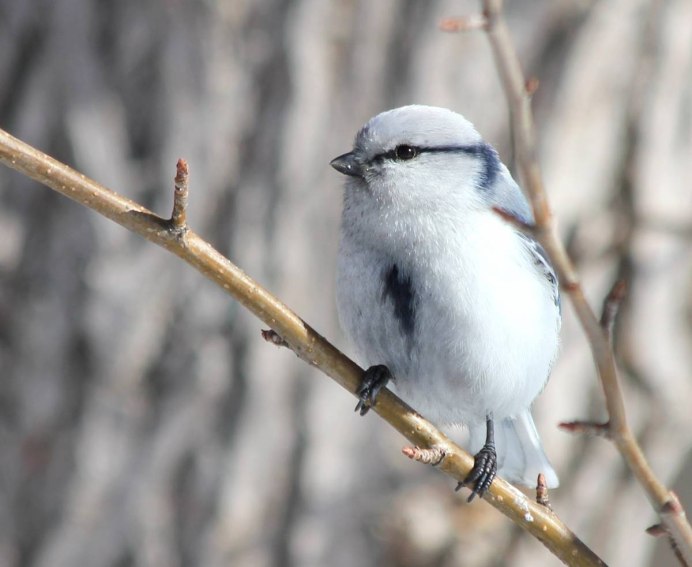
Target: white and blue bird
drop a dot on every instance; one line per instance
(442, 295)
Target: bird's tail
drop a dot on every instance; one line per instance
(520, 455)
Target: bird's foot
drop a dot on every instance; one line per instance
(482, 473)
(374, 379)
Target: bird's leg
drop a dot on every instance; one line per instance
(484, 466)
(374, 379)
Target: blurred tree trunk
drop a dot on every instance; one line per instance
(142, 419)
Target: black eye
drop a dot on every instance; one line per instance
(404, 152)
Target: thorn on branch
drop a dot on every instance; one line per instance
(611, 306)
(178, 220)
(432, 456)
(464, 24)
(514, 220)
(542, 492)
(588, 427)
(273, 337)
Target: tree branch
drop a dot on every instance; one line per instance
(538, 520)
(665, 502)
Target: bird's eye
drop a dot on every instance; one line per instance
(404, 152)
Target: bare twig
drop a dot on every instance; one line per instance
(512, 78)
(301, 338)
(179, 215)
(611, 306)
(523, 226)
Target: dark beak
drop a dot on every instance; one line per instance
(348, 165)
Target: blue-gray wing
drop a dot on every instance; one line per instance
(505, 193)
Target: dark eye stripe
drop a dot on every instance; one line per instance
(392, 154)
(484, 151)
(400, 153)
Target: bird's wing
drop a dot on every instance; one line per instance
(507, 195)
(543, 264)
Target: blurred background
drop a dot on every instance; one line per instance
(143, 420)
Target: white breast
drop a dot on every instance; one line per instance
(486, 326)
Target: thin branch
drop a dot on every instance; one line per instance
(514, 84)
(523, 226)
(611, 306)
(301, 338)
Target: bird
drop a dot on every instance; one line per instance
(441, 296)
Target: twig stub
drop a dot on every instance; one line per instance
(274, 338)
(463, 24)
(657, 530)
(532, 84)
(432, 456)
(589, 427)
(542, 492)
(179, 216)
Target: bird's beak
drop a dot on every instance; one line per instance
(348, 165)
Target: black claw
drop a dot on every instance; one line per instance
(484, 466)
(374, 379)
(482, 473)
